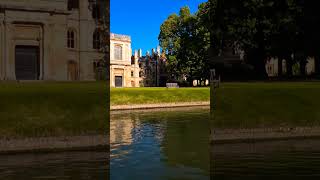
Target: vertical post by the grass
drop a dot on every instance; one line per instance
(212, 106)
(214, 84)
(212, 89)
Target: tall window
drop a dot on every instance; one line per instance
(96, 40)
(73, 4)
(118, 52)
(96, 14)
(71, 39)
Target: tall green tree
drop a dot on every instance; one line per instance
(170, 41)
(262, 28)
(185, 38)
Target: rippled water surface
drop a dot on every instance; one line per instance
(160, 145)
(293, 159)
(57, 166)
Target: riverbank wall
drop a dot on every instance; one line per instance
(225, 136)
(54, 144)
(159, 105)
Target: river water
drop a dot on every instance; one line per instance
(160, 145)
(290, 159)
(58, 166)
(169, 144)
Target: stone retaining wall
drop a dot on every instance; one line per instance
(49, 144)
(263, 134)
(160, 105)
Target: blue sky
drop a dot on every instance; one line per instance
(141, 19)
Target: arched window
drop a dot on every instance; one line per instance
(71, 39)
(96, 40)
(96, 14)
(118, 52)
(73, 4)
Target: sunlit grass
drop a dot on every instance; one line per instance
(53, 109)
(267, 105)
(128, 96)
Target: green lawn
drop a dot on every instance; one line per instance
(61, 109)
(267, 105)
(122, 96)
(53, 109)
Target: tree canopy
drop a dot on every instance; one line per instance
(286, 29)
(185, 39)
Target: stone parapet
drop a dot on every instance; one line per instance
(120, 37)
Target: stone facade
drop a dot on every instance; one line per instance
(47, 40)
(123, 71)
(152, 72)
(272, 67)
(127, 70)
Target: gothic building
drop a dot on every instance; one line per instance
(49, 39)
(273, 69)
(152, 72)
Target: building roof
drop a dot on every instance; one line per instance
(120, 37)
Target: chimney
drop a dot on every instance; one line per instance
(140, 53)
(158, 50)
(136, 57)
(136, 54)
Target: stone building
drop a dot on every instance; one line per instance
(272, 67)
(152, 72)
(49, 40)
(123, 71)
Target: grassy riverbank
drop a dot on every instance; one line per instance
(52, 109)
(128, 96)
(267, 105)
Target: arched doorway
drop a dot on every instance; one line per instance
(72, 71)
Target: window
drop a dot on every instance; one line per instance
(99, 69)
(73, 4)
(95, 66)
(71, 39)
(96, 14)
(118, 52)
(131, 73)
(96, 40)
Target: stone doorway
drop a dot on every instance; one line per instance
(118, 81)
(27, 63)
(72, 71)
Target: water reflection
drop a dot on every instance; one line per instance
(62, 166)
(291, 159)
(160, 145)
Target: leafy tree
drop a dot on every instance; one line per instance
(262, 28)
(311, 36)
(185, 38)
(169, 41)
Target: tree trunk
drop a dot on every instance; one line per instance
(280, 66)
(303, 64)
(317, 64)
(257, 59)
(289, 62)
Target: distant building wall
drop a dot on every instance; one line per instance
(123, 73)
(272, 68)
